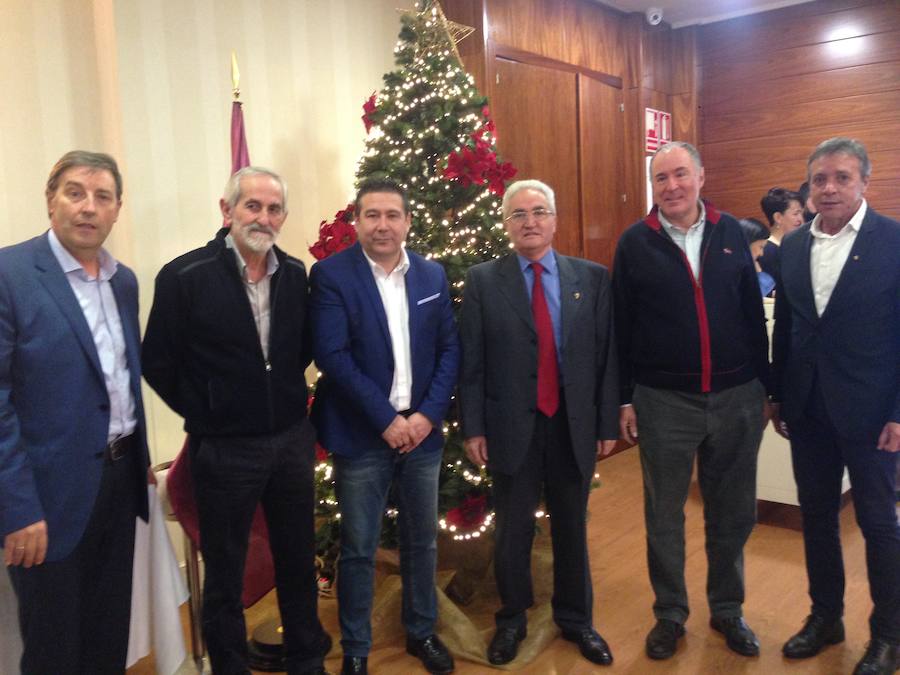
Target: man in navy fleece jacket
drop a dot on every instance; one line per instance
(694, 373)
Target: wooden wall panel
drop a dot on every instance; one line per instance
(786, 92)
(882, 195)
(833, 114)
(471, 49)
(602, 170)
(573, 31)
(796, 146)
(594, 34)
(774, 85)
(543, 142)
(806, 60)
(786, 174)
(656, 64)
(807, 24)
(635, 176)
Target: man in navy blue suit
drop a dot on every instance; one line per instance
(836, 363)
(385, 340)
(73, 450)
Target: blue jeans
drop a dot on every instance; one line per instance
(362, 485)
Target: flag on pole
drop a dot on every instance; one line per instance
(259, 569)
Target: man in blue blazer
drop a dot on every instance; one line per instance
(73, 450)
(836, 363)
(385, 340)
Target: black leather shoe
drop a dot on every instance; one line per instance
(592, 646)
(432, 653)
(738, 635)
(355, 665)
(505, 645)
(815, 634)
(662, 641)
(881, 658)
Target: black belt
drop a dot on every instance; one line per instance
(405, 413)
(118, 448)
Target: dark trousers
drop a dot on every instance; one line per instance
(820, 455)
(549, 467)
(74, 613)
(723, 431)
(232, 475)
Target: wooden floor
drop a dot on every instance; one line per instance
(775, 607)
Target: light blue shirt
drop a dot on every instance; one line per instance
(550, 282)
(691, 241)
(98, 304)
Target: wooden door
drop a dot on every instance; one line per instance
(602, 167)
(535, 110)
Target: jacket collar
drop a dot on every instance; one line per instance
(652, 219)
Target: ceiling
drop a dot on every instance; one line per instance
(678, 13)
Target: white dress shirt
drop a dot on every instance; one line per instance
(829, 254)
(691, 241)
(98, 304)
(392, 289)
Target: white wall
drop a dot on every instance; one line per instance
(149, 82)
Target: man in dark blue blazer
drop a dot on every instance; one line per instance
(836, 363)
(73, 450)
(385, 340)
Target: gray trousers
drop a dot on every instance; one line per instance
(724, 430)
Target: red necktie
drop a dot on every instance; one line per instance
(548, 369)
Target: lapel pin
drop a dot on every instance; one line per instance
(577, 295)
(727, 250)
(856, 257)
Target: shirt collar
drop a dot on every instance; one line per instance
(271, 258)
(69, 263)
(547, 261)
(402, 267)
(855, 222)
(700, 219)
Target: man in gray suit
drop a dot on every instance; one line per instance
(539, 403)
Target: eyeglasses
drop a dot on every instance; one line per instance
(521, 217)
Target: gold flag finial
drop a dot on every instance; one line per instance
(235, 77)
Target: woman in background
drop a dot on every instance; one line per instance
(757, 235)
(784, 211)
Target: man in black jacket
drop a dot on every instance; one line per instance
(693, 370)
(225, 349)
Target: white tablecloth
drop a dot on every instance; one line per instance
(157, 591)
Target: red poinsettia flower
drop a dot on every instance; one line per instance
(321, 453)
(470, 513)
(368, 109)
(478, 164)
(336, 235)
(497, 177)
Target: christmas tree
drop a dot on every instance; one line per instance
(430, 130)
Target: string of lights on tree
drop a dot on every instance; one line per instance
(430, 130)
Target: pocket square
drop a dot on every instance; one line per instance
(429, 299)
